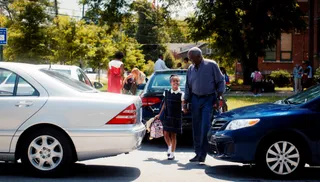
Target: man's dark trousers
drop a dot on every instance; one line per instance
(202, 108)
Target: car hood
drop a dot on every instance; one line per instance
(258, 110)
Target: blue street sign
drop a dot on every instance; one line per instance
(3, 36)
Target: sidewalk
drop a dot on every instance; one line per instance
(247, 93)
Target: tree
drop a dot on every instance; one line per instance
(177, 31)
(109, 12)
(151, 28)
(244, 29)
(28, 40)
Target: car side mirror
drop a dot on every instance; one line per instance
(141, 86)
(97, 85)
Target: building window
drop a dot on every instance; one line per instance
(209, 51)
(271, 54)
(286, 47)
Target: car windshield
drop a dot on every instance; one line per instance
(305, 96)
(161, 81)
(75, 84)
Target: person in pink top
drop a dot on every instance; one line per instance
(115, 73)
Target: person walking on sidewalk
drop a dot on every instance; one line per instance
(170, 115)
(205, 83)
(160, 64)
(297, 75)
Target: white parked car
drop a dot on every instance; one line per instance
(61, 120)
(74, 72)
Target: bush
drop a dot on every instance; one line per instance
(148, 68)
(317, 75)
(281, 78)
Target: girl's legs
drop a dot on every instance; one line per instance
(173, 137)
(167, 138)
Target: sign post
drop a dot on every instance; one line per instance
(3, 40)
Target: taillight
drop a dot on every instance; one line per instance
(149, 101)
(127, 116)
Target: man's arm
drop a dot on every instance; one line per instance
(220, 82)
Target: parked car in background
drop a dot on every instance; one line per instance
(279, 137)
(61, 120)
(152, 94)
(74, 72)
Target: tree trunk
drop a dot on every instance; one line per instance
(248, 65)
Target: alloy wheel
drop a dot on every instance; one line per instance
(283, 158)
(45, 152)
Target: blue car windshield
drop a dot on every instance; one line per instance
(161, 81)
(305, 96)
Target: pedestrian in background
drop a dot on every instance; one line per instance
(115, 73)
(205, 83)
(160, 64)
(186, 63)
(297, 75)
(257, 82)
(170, 115)
(179, 66)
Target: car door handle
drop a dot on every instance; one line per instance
(24, 104)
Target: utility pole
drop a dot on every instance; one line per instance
(1, 53)
(311, 32)
(56, 7)
(83, 10)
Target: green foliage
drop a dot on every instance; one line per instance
(149, 68)
(245, 28)
(151, 28)
(281, 78)
(28, 31)
(169, 59)
(178, 31)
(317, 74)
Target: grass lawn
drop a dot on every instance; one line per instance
(241, 101)
(283, 88)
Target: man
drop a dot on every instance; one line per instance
(186, 63)
(297, 75)
(160, 64)
(202, 97)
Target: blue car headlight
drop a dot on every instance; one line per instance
(241, 123)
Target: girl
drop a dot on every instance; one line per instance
(171, 112)
(115, 73)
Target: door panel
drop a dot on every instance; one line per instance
(15, 109)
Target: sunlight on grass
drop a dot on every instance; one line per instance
(283, 88)
(241, 101)
(105, 87)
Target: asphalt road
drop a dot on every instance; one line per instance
(149, 164)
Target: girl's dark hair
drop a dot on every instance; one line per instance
(118, 55)
(173, 75)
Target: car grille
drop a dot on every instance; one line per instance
(218, 124)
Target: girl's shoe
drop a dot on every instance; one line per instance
(171, 156)
(169, 151)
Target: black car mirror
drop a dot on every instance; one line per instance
(141, 86)
(97, 85)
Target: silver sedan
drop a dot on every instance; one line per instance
(49, 120)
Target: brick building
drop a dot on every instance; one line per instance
(292, 48)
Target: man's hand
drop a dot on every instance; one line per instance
(157, 116)
(185, 107)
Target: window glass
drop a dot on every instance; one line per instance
(67, 72)
(85, 78)
(73, 83)
(286, 47)
(25, 89)
(160, 82)
(7, 84)
(270, 55)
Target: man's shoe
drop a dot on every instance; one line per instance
(195, 159)
(202, 159)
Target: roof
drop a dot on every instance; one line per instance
(171, 71)
(55, 66)
(183, 47)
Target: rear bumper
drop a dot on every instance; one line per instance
(108, 141)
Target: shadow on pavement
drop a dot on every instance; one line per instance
(78, 172)
(247, 173)
(163, 161)
(191, 166)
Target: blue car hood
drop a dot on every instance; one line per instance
(258, 110)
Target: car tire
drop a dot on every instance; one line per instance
(281, 158)
(46, 152)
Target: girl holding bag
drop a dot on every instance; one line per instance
(171, 115)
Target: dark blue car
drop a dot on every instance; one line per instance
(279, 137)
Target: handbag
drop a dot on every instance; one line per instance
(156, 129)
